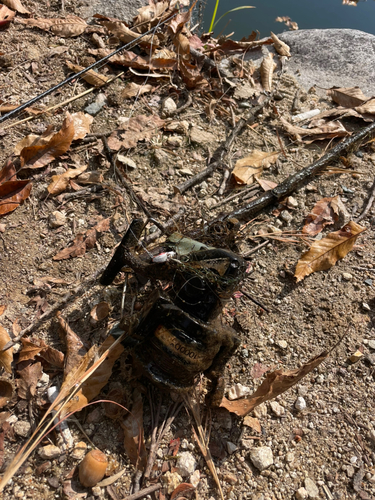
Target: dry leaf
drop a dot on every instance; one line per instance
(253, 423)
(327, 131)
(82, 123)
(132, 60)
(12, 193)
(95, 383)
(37, 347)
(29, 350)
(258, 370)
(132, 89)
(100, 311)
(93, 177)
(91, 76)
(61, 182)
(6, 357)
(275, 384)
(30, 376)
(281, 47)
(34, 140)
(133, 433)
(66, 28)
(6, 393)
(16, 5)
(265, 184)
(136, 129)
(288, 22)
(325, 212)
(267, 68)
(2, 308)
(126, 35)
(41, 155)
(249, 166)
(367, 107)
(347, 97)
(2, 228)
(6, 16)
(324, 253)
(181, 488)
(77, 249)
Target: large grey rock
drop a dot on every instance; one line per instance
(332, 57)
(124, 10)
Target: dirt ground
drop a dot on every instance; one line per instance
(330, 442)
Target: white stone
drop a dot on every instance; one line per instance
(50, 451)
(371, 344)
(186, 464)
(311, 488)
(291, 202)
(202, 137)
(43, 381)
(300, 404)
(171, 480)
(128, 162)
(277, 409)
(195, 478)
(260, 411)
(238, 391)
(282, 343)
(301, 494)
(169, 106)
(347, 276)
(366, 307)
(289, 457)
(22, 428)
(261, 457)
(57, 219)
(286, 216)
(176, 141)
(231, 447)
(79, 450)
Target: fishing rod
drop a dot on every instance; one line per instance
(129, 45)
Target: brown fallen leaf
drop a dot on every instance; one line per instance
(181, 488)
(325, 212)
(265, 184)
(100, 311)
(66, 28)
(275, 384)
(16, 5)
(138, 128)
(267, 68)
(367, 108)
(191, 75)
(132, 60)
(327, 131)
(95, 383)
(61, 182)
(93, 177)
(77, 249)
(347, 97)
(250, 166)
(82, 123)
(37, 347)
(292, 25)
(6, 16)
(126, 35)
(42, 155)
(29, 377)
(6, 393)
(132, 89)
(253, 423)
(91, 76)
(324, 253)
(133, 433)
(34, 140)
(12, 194)
(6, 357)
(281, 47)
(151, 13)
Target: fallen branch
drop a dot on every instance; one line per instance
(303, 177)
(368, 205)
(144, 492)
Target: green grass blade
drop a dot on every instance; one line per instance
(214, 15)
(212, 26)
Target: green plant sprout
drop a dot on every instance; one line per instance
(213, 24)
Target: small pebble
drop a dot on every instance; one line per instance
(368, 282)
(371, 344)
(291, 202)
(261, 457)
(231, 447)
(238, 391)
(96, 491)
(301, 494)
(230, 478)
(277, 409)
(347, 276)
(48, 452)
(353, 460)
(22, 428)
(169, 106)
(171, 480)
(186, 464)
(311, 488)
(282, 343)
(355, 357)
(195, 478)
(286, 216)
(300, 403)
(366, 307)
(53, 482)
(79, 451)
(57, 219)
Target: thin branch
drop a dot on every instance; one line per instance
(368, 205)
(143, 493)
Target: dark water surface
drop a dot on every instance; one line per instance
(306, 13)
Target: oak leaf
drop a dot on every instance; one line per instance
(12, 193)
(30, 376)
(327, 131)
(91, 76)
(77, 249)
(347, 97)
(66, 28)
(126, 35)
(275, 384)
(132, 89)
(136, 129)
(133, 433)
(248, 167)
(16, 5)
(41, 155)
(324, 213)
(6, 357)
(61, 182)
(324, 253)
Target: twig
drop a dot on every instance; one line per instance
(209, 63)
(144, 492)
(69, 297)
(249, 191)
(368, 205)
(221, 152)
(255, 249)
(223, 184)
(168, 227)
(301, 178)
(181, 108)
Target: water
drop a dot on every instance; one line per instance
(306, 13)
